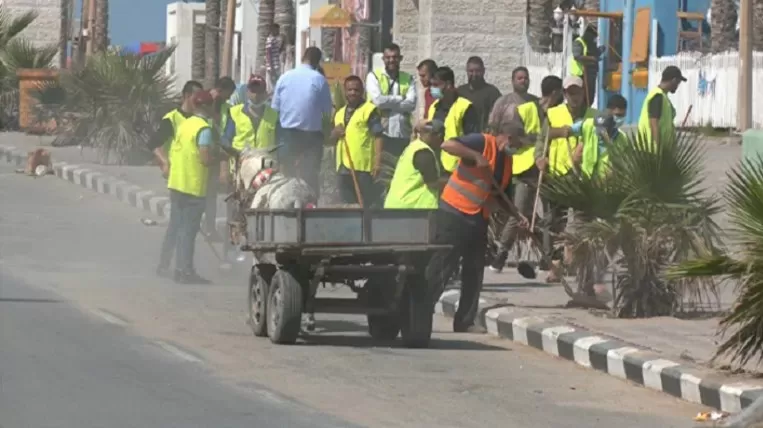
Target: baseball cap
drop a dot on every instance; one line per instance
(435, 126)
(572, 81)
(202, 97)
(256, 83)
(672, 72)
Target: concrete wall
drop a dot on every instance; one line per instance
(450, 31)
(46, 29)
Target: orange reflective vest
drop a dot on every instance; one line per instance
(469, 188)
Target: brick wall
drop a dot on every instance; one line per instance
(450, 31)
(46, 29)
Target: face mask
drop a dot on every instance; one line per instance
(619, 121)
(436, 92)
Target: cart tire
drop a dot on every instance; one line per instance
(284, 308)
(384, 327)
(416, 313)
(258, 304)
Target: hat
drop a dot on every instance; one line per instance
(202, 97)
(435, 126)
(604, 120)
(256, 83)
(572, 81)
(672, 72)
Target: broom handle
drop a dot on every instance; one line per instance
(352, 173)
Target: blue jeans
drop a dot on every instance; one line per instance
(184, 224)
(300, 154)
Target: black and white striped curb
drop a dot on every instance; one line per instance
(135, 196)
(613, 357)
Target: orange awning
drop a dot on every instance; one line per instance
(331, 16)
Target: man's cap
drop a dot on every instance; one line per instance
(202, 97)
(572, 81)
(672, 72)
(256, 83)
(604, 120)
(436, 126)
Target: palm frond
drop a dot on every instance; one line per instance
(12, 24)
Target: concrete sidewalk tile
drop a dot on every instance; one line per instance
(612, 356)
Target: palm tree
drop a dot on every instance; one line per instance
(198, 62)
(539, 16)
(265, 17)
(744, 265)
(284, 16)
(757, 22)
(647, 214)
(212, 42)
(723, 25)
(101, 30)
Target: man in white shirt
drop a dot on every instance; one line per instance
(394, 94)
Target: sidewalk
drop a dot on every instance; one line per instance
(665, 354)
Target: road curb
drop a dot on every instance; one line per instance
(612, 356)
(97, 181)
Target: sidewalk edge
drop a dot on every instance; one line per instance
(612, 356)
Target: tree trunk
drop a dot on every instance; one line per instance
(198, 61)
(212, 42)
(757, 25)
(539, 17)
(284, 15)
(723, 25)
(591, 5)
(101, 30)
(329, 38)
(266, 14)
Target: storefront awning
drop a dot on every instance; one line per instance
(331, 16)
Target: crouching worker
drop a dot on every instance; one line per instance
(358, 131)
(482, 172)
(417, 182)
(190, 156)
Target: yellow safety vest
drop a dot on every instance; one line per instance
(357, 139)
(187, 174)
(666, 126)
(407, 190)
(524, 158)
(245, 134)
(560, 149)
(404, 82)
(454, 127)
(176, 118)
(593, 161)
(575, 67)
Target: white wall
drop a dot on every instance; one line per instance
(248, 26)
(305, 8)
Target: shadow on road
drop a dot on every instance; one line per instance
(23, 300)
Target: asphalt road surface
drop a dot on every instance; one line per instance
(89, 337)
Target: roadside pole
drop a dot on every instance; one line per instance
(90, 26)
(744, 100)
(230, 21)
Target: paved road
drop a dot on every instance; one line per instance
(128, 349)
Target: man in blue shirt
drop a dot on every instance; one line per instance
(302, 99)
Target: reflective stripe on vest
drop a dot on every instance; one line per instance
(560, 149)
(358, 139)
(187, 174)
(666, 124)
(454, 127)
(469, 188)
(524, 158)
(176, 118)
(593, 161)
(575, 67)
(407, 190)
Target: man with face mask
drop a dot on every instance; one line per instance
(505, 107)
(657, 113)
(599, 133)
(565, 152)
(456, 112)
(531, 116)
(472, 192)
(584, 62)
(191, 158)
(483, 95)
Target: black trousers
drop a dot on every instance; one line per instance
(589, 85)
(468, 239)
(368, 188)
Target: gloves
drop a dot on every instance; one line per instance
(577, 127)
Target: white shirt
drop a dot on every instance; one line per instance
(396, 108)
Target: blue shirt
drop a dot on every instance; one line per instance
(204, 139)
(476, 142)
(302, 97)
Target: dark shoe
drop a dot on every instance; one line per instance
(191, 278)
(474, 329)
(499, 262)
(163, 271)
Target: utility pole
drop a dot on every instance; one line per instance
(230, 20)
(90, 27)
(744, 99)
(82, 43)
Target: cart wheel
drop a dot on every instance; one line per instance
(416, 312)
(381, 327)
(258, 298)
(284, 308)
